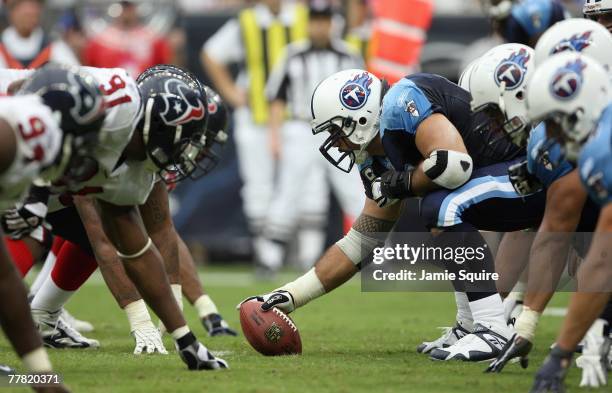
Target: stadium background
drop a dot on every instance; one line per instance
(208, 213)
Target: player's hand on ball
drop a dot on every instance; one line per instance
(280, 299)
(148, 340)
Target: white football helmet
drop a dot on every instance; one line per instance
(568, 92)
(347, 105)
(576, 35)
(498, 84)
(593, 8)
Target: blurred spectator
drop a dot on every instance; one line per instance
(256, 39)
(359, 26)
(127, 43)
(200, 6)
(72, 32)
(25, 44)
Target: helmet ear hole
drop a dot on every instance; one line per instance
(363, 121)
(520, 95)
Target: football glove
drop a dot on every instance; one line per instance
(522, 180)
(23, 219)
(517, 346)
(378, 197)
(551, 375)
(396, 185)
(594, 360)
(215, 325)
(148, 339)
(280, 299)
(197, 357)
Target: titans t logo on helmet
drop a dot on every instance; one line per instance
(567, 81)
(182, 104)
(354, 94)
(576, 43)
(512, 70)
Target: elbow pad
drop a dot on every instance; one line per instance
(447, 168)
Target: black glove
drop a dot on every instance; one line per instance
(396, 185)
(517, 346)
(522, 180)
(552, 373)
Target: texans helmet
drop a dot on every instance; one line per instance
(216, 132)
(77, 102)
(174, 120)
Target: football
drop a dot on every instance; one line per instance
(271, 333)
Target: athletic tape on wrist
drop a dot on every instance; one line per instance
(37, 361)
(358, 246)
(138, 315)
(139, 253)
(526, 323)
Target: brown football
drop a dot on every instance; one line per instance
(271, 333)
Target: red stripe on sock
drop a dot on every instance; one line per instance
(21, 255)
(73, 267)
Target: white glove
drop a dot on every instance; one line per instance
(148, 338)
(594, 359)
(145, 333)
(381, 201)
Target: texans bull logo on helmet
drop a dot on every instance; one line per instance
(511, 71)
(87, 105)
(567, 81)
(354, 94)
(182, 104)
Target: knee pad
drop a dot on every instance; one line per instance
(447, 168)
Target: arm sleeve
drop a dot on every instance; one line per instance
(225, 46)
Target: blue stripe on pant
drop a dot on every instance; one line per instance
(487, 201)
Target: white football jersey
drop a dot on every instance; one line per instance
(39, 141)
(121, 183)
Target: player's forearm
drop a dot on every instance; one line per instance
(222, 79)
(277, 115)
(190, 281)
(421, 184)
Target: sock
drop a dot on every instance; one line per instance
(205, 306)
(177, 291)
(305, 289)
(489, 311)
(48, 265)
(73, 267)
(464, 314)
(526, 323)
(269, 253)
(311, 242)
(21, 255)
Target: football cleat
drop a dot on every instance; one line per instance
(480, 345)
(215, 325)
(6, 370)
(56, 333)
(516, 347)
(450, 335)
(551, 375)
(197, 357)
(77, 324)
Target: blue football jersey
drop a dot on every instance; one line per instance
(415, 98)
(595, 163)
(547, 165)
(530, 18)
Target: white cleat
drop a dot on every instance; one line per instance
(56, 333)
(450, 335)
(482, 344)
(77, 324)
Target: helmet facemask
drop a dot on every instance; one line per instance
(337, 147)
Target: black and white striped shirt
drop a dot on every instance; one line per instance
(303, 68)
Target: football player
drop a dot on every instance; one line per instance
(35, 146)
(523, 22)
(600, 11)
(571, 112)
(425, 124)
(141, 142)
(568, 209)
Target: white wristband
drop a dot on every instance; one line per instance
(138, 315)
(526, 323)
(37, 361)
(139, 253)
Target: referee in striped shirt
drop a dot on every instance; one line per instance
(301, 199)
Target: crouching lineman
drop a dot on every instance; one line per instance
(34, 145)
(572, 111)
(426, 124)
(140, 141)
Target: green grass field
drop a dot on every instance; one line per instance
(352, 342)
